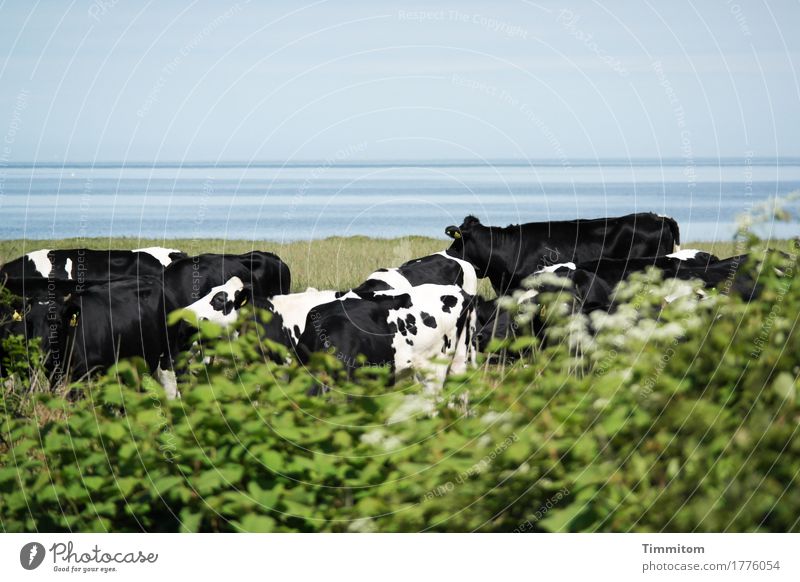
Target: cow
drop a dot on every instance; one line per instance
(40, 312)
(725, 275)
(114, 320)
(439, 268)
(189, 279)
(83, 264)
(285, 324)
(221, 305)
(582, 291)
(164, 255)
(507, 255)
(289, 311)
(427, 328)
(33, 310)
(289, 314)
(115, 316)
(492, 322)
(613, 271)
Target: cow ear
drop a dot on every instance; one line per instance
(73, 315)
(242, 297)
(453, 232)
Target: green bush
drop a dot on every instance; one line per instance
(667, 417)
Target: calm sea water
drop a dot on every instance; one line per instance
(316, 200)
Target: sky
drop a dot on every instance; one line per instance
(117, 80)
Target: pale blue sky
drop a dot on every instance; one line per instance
(370, 80)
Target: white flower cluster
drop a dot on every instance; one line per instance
(648, 311)
(521, 304)
(379, 437)
(411, 406)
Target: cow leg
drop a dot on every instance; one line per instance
(464, 355)
(461, 403)
(433, 375)
(169, 381)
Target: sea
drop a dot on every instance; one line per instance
(272, 201)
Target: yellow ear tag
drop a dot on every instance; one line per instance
(73, 321)
(244, 302)
(17, 316)
(456, 234)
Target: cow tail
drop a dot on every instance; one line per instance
(676, 232)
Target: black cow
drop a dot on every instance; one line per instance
(115, 320)
(583, 291)
(508, 255)
(33, 310)
(83, 264)
(492, 322)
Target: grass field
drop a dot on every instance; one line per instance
(331, 263)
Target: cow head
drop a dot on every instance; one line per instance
(224, 304)
(176, 255)
(458, 233)
(44, 319)
(472, 242)
(12, 317)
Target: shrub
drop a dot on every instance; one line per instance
(657, 417)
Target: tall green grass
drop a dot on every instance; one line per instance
(331, 263)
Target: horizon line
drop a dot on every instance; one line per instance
(412, 163)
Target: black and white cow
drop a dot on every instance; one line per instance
(725, 275)
(685, 265)
(222, 303)
(83, 264)
(507, 255)
(427, 328)
(164, 255)
(189, 279)
(613, 271)
(288, 313)
(438, 269)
